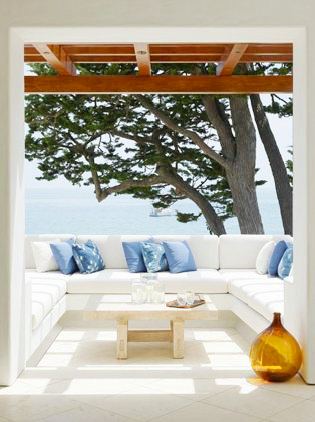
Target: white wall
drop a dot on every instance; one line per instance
(240, 19)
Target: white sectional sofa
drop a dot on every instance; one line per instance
(226, 272)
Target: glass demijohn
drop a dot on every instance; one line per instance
(275, 354)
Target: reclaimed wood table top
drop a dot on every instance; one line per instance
(120, 306)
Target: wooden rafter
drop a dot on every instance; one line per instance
(158, 84)
(162, 53)
(166, 53)
(227, 66)
(246, 58)
(143, 59)
(56, 56)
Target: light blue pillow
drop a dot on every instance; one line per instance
(276, 256)
(63, 255)
(134, 258)
(286, 262)
(88, 257)
(154, 257)
(179, 257)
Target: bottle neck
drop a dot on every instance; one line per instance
(276, 318)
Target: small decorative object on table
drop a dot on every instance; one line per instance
(186, 300)
(275, 355)
(148, 289)
(138, 292)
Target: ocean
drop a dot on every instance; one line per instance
(76, 211)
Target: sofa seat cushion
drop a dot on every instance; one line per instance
(32, 274)
(119, 281)
(45, 295)
(268, 302)
(244, 274)
(262, 293)
(199, 281)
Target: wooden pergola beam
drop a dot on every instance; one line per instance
(164, 49)
(227, 66)
(165, 84)
(56, 57)
(143, 59)
(246, 58)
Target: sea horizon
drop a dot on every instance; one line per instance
(75, 210)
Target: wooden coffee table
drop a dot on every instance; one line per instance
(123, 312)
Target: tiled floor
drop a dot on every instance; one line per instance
(79, 379)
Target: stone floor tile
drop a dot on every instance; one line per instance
(300, 412)
(253, 400)
(202, 412)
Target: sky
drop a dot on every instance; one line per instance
(282, 129)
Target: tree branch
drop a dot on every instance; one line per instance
(135, 138)
(221, 123)
(148, 181)
(171, 124)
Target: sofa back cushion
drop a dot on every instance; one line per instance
(205, 248)
(241, 250)
(110, 247)
(28, 251)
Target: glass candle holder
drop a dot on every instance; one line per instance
(159, 292)
(138, 292)
(190, 297)
(182, 299)
(149, 280)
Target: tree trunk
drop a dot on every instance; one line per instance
(241, 173)
(245, 204)
(214, 222)
(279, 171)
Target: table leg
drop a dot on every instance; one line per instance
(172, 331)
(122, 339)
(178, 339)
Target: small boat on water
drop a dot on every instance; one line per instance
(162, 212)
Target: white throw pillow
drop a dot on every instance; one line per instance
(43, 256)
(263, 258)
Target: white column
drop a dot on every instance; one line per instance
(306, 313)
(12, 318)
(300, 294)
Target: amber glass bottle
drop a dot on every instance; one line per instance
(275, 355)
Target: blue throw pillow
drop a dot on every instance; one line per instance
(154, 257)
(134, 258)
(276, 256)
(179, 257)
(88, 257)
(286, 262)
(63, 255)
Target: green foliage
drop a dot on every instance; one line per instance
(187, 217)
(280, 105)
(78, 135)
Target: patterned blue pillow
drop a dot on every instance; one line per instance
(286, 262)
(154, 257)
(87, 257)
